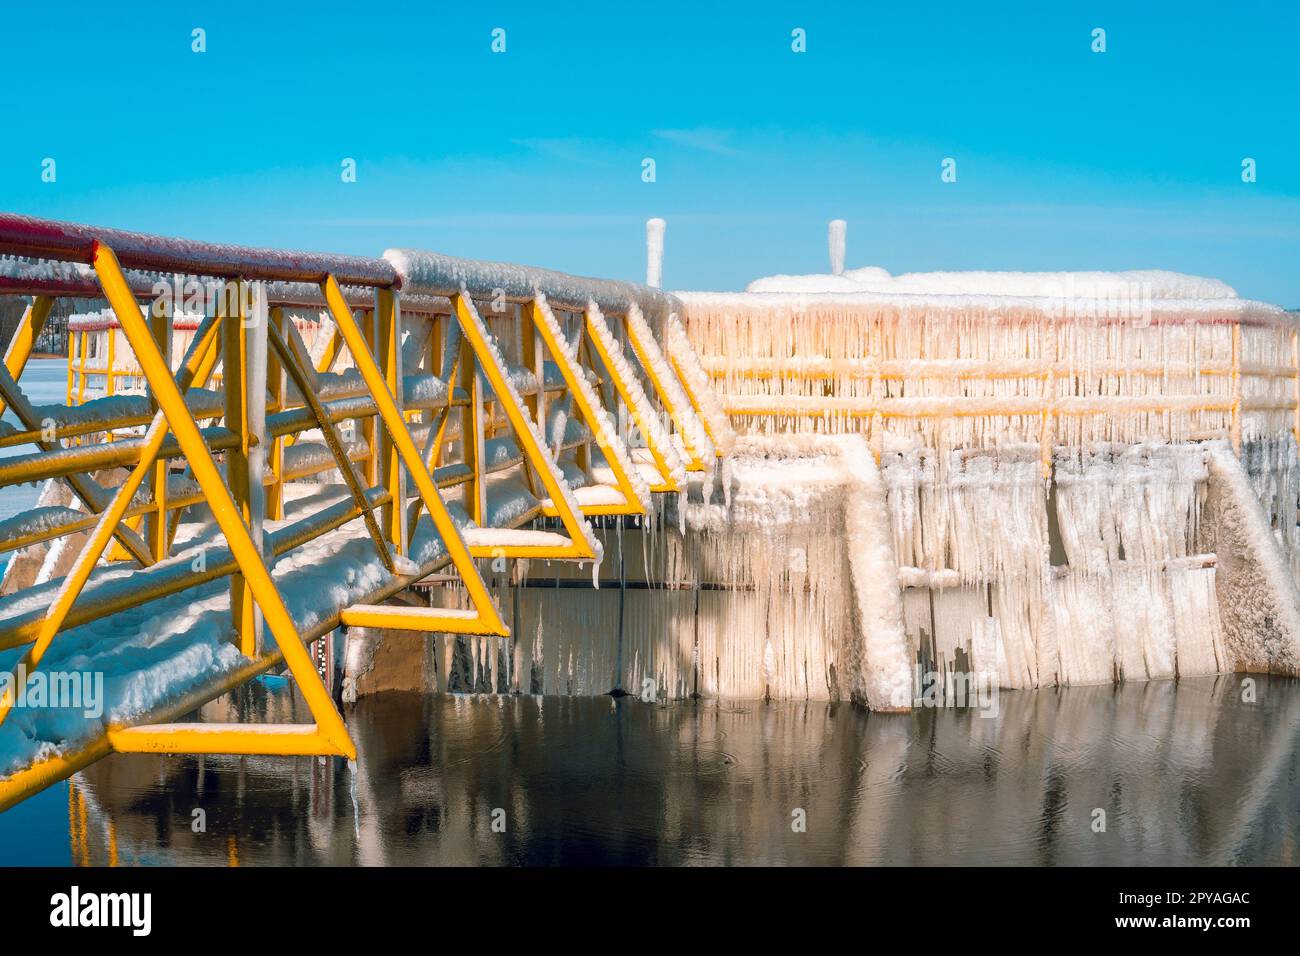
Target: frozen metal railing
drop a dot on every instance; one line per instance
(1034, 370)
(430, 405)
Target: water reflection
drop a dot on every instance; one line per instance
(1186, 773)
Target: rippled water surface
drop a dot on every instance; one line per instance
(1184, 773)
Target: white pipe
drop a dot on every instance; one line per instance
(837, 235)
(654, 253)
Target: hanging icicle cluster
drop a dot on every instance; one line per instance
(1044, 482)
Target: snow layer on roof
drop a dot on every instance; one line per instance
(1148, 283)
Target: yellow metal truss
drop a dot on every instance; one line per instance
(684, 416)
(609, 443)
(489, 361)
(634, 398)
(483, 617)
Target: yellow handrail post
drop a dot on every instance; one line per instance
(234, 370)
(534, 360)
(388, 321)
(81, 369)
(160, 324)
(371, 426)
(24, 340)
(471, 434)
(276, 382)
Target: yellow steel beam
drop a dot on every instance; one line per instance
(291, 364)
(85, 488)
(85, 563)
(421, 619)
(479, 597)
(548, 328)
(655, 366)
(332, 735)
(234, 372)
(156, 520)
(275, 381)
(471, 434)
(24, 340)
(388, 320)
(633, 397)
(473, 330)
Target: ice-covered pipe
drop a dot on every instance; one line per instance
(432, 274)
(654, 253)
(65, 241)
(837, 235)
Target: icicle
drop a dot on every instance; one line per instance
(352, 792)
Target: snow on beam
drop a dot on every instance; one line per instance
(45, 238)
(431, 274)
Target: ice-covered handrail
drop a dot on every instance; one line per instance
(432, 274)
(44, 238)
(994, 307)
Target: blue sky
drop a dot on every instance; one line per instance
(1066, 159)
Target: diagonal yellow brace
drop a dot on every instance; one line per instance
(634, 398)
(488, 616)
(86, 488)
(548, 472)
(680, 354)
(331, 733)
(292, 364)
(102, 534)
(690, 428)
(24, 340)
(615, 454)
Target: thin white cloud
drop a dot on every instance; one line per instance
(708, 140)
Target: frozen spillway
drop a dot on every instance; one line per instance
(781, 585)
(1090, 476)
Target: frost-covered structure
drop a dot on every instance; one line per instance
(1090, 476)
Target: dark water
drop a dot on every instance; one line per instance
(1185, 773)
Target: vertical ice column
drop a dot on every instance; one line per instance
(880, 672)
(1258, 599)
(654, 252)
(837, 236)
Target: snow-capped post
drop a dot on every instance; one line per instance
(654, 252)
(837, 236)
